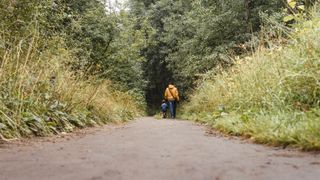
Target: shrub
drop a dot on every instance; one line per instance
(40, 95)
(271, 96)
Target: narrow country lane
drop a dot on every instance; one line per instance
(149, 149)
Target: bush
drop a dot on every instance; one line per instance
(271, 96)
(40, 92)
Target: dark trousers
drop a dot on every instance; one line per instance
(173, 107)
(164, 114)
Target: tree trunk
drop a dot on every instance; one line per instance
(247, 4)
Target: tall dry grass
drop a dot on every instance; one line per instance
(272, 96)
(39, 95)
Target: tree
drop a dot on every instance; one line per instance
(156, 67)
(210, 33)
(195, 36)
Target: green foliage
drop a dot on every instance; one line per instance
(104, 43)
(271, 96)
(216, 30)
(56, 61)
(72, 63)
(297, 9)
(35, 103)
(195, 36)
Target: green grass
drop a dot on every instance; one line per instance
(272, 96)
(40, 95)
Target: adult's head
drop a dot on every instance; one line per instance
(170, 82)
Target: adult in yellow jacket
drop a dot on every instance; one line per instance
(171, 94)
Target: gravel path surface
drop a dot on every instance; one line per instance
(149, 149)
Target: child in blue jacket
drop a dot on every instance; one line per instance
(164, 108)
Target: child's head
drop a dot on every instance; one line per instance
(163, 101)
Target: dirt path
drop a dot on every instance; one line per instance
(150, 149)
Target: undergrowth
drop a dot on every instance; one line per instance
(40, 95)
(271, 97)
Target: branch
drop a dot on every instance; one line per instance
(288, 7)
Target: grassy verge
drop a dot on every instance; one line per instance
(272, 97)
(40, 96)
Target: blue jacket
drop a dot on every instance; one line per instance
(164, 107)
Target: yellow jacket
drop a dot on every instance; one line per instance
(171, 93)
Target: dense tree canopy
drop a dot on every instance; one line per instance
(195, 36)
(153, 41)
(104, 43)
